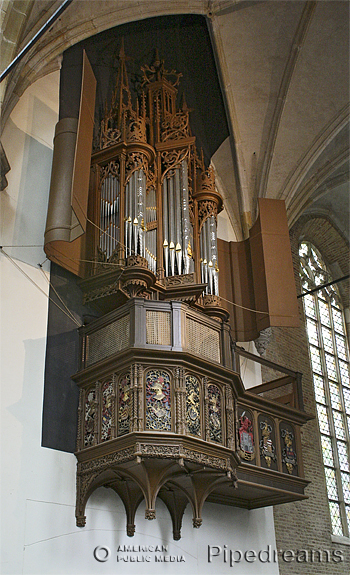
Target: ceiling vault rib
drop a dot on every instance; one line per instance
(232, 121)
(237, 6)
(323, 139)
(35, 38)
(297, 44)
(305, 194)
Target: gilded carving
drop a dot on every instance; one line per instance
(206, 460)
(90, 418)
(135, 287)
(246, 438)
(111, 169)
(215, 413)
(211, 300)
(104, 262)
(162, 451)
(136, 130)
(101, 292)
(80, 411)
(124, 407)
(156, 72)
(230, 422)
(106, 461)
(180, 393)
(135, 161)
(137, 260)
(176, 127)
(107, 393)
(140, 396)
(289, 457)
(206, 209)
(186, 279)
(193, 421)
(158, 414)
(113, 125)
(208, 180)
(267, 449)
(172, 159)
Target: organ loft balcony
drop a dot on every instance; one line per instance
(163, 411)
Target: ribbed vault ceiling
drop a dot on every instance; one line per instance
(284, 70)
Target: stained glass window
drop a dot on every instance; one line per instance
(329, 356)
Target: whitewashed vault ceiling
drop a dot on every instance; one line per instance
(284, 70)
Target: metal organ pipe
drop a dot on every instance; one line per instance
(172, 224)
(208, 247)
(177, 216)
(177, 228)
(117, 209)
(186, 225)
(134, 212)
(214, 258)
(109, 218)
(165, 227)
(128, 220)
(205, 253)
(102, 218)
(109, 215)
(135, 215)
(150, 235)
(201, 247)
(131, 192)
(141, 191)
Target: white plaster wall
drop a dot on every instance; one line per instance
(250, 370)
(39, 536)
(28, 141)
(225, 230)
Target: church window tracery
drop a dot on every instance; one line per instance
(330, 367)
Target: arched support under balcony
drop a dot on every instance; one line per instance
(170, 469)
(176, 502)
(131, 495)
(196, 484)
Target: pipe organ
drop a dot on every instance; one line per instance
(159, 390)
(157, 200)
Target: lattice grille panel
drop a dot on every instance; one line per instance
(158, 327)
(108, 340)
(203, 340)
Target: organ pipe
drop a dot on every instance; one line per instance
(209, 263)
(165, 227)
(172, 238)
(154, 141)
(109, 215)
(178, 222)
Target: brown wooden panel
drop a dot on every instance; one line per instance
(65, 236)
(83, 149)
(272, 267)
(236, 285)
(258, 274)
